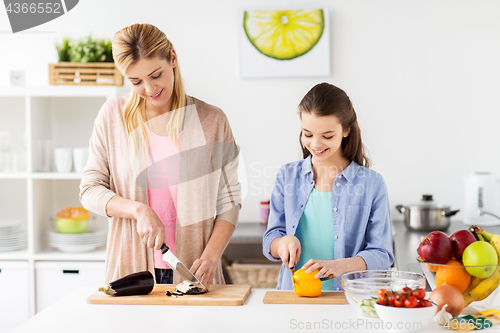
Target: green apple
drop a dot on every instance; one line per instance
(480, 254)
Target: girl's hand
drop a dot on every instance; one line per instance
(325, 267)
(289, 250)
(150, 228)
(204, 271)
(334, 267)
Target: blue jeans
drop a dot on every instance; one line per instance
(164, 276)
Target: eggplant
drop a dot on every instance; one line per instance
(140, 283)
(188, 288)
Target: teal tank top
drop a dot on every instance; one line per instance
(315, 231)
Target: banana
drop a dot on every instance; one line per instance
(467, 297)
(493, 240)
(488, 285)
(475, 232)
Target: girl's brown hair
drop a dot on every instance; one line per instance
(147, 41)
(325, 99)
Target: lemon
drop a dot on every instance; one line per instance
(284, 34)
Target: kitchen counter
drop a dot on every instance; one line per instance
(73, 314)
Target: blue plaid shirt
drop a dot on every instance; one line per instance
(360, 209)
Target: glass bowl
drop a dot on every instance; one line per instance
(430, 271)
(361, 287)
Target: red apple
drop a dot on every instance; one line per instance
(435, 248)
(460, 240)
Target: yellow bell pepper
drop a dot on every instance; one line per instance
(306, 285)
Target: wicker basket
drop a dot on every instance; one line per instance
(92, 73)
(259, 273)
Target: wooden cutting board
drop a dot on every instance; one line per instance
(219, 294)
(290, 297)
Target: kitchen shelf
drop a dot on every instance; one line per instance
(54, 255)
(63, 91)
(31, 191)
(56, 175)
(19, 255)
(13, 175)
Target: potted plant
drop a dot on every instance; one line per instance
(86, 61)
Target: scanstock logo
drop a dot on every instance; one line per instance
(26, 14)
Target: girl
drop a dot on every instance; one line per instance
(162, 166)
(328, 211)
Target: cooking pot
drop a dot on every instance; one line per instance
(426, 215)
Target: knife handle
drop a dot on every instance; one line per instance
(164, 248)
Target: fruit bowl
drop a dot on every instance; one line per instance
(74, 220)
(406, 319)
(459, 276)
(361, 287)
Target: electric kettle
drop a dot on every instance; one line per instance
(482, 199)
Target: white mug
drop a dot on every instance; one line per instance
(80, 158)
(63, 159)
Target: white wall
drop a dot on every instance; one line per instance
(423, 75)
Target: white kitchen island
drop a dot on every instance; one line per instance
(73, 314)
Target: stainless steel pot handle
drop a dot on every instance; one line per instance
(449, 213)
(400, 208)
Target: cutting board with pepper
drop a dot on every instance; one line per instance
(289, 297)
(219, 294)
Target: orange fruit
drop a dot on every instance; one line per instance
(454, 274)
(432, 268)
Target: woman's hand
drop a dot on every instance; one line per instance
(288, 250)
(204, 271)
(149, 227)
(334, 267)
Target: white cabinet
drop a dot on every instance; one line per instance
(38, 120)
(55, 279)
(14, 294)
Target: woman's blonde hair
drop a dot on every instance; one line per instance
(147, 41)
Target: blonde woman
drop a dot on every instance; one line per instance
(162, 167)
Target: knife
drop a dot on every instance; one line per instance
(181, 269)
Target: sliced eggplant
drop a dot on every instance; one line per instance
(189, 288)
(140, 283)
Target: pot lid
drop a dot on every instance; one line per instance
(428, 202)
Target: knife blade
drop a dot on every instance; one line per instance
(177, 265)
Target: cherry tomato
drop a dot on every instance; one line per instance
(391, 298)
(399, 301)
(425, 303)
(383, 300)
(411, 302)
(406, 290)
(419, 293)
(382, 292)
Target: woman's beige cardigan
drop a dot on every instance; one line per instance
(208, 188)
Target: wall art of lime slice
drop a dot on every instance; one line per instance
(284, 34)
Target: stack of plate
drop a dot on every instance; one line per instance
(84, 242)
(11, 236)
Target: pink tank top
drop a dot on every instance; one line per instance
(162, 171)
